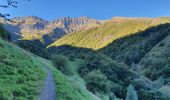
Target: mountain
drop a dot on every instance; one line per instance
(99, 37)
(70, 25)
(138, 54)
(31, 28)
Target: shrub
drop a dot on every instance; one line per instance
(71, 57)
(118, 90)
(4, 34)
(166, 71)
(97, 82)
(17, 92)
(151, 95)
(60, 62)
(34, 46)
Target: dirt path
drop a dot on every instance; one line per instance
(48, 92)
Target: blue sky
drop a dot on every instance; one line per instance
(99, 9)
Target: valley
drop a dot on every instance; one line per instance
(88, 59)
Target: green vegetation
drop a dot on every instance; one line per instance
(104, 76)
(120, 52)
(67, 89)
(61, 63)
(4, 34)
(131, 93)
(21, 75)
(156, 63)
(152, 95)
(19, 71)
(97, 82)
(34, 46)
(133, 48)
(113, 66)
(106, 33)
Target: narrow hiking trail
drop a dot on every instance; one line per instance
(48, 91)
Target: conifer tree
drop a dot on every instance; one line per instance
(131, 93)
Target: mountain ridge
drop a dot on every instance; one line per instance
(32, 27)
(98, 37)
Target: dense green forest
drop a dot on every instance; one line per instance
(109, 71)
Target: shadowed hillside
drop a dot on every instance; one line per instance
(4, 34)
(133, 48)
(34, 46)
(122, 57)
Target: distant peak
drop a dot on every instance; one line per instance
(29, 17)
(85, 17)
(81, 17)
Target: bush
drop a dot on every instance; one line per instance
(61, 63)
(34, 46)
(71, 57)
(97, 82)
(118, 90)
(151, 95)
(166, 71)
(4, 34)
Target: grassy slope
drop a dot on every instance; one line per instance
(19, 70)
(101, 36)
(77, 79)
(21, 75)
(67, 89)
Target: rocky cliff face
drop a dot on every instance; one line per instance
(31, 27)
(70, 25)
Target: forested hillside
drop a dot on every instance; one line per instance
(132, 49)
(109, 70)
(101, 36)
